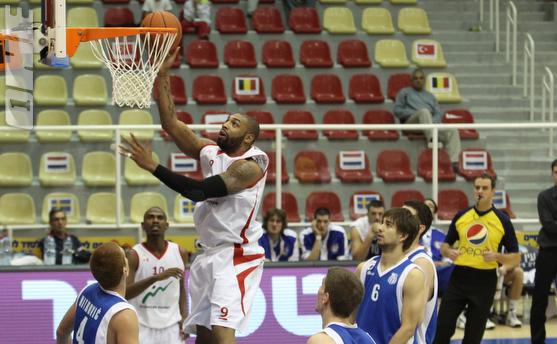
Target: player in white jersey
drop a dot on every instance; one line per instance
(100, 314)
(417, 254)
(225, 277)
(155, 285)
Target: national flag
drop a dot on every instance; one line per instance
(452, 116)
(352, 160)
(474, 160)
(362, 200)
(186, 207)
(440, 84)
(57, 162)
(219, 118)
(500, 199)
(426, 50)
(62, 203)
(246, 86)
(182, 163)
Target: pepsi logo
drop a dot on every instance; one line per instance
(476, 234)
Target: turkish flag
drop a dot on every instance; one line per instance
(426, 50)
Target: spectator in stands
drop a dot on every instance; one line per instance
(324, 240)
(546, 263)
(415, 105)
(155, 5)
(363, 230)
(197, 17)
(280, 243)
(58, 221)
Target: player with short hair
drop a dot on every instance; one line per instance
(225, 277)
(395, 294)
(364, 242)
(155, 283)
(337, 300)
(324, 240)
(100, 313)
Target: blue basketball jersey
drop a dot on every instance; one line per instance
(426, 330)
(381, 308)
(346, 334)
(94, 309)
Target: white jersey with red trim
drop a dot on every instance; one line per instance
(230, 219)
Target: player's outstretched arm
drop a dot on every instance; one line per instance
(414, 297)
(66, 326)
(125, 327)
(188, 142)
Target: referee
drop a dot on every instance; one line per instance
(481, 231)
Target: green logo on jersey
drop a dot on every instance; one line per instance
(155, 292)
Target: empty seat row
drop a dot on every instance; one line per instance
(88, 90)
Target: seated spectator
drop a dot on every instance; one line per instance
(280, 244)
(323, 240)
(363, 230)
(155, 5)
(415, 105)
(513, 278)
(57, 221)
(197, 16)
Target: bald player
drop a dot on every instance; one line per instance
(225, 277)
(101, 314)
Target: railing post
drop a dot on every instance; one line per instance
(435, 163)
(511, 19)
(481, 11)
(548, 87)
(118, 190)
(497, 44)
(278, 168)
(529, 71)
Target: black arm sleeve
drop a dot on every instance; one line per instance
(192, 189)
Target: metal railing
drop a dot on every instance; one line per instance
(548, 91)
(529, 70)
(512, 21)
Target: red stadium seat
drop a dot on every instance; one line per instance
(401, 196)
(445, 169)
(231, 20)
(114, 2)
(315, 54)
(209, 89)
(288, 89)
(339, 117)
(118, 17)
(201, 54)
(450, 202)
(263, 117)
(183, 117)
(365, 88)
(288, 204)
(299, 117)
(396, 83)
(461, 116)
(353, 53)
(311, 167)
(394, 166)
(472, 162)
(324, 199)
(304, 20)
(238, 91)
(271, 170)
(267, 20)
(380, 117)
(355, 172)
(361, 194)
(327, 88)
(225, 1)
(278, 54)
(239, 54)
(196, 174)
(213, 117)
(177, 88)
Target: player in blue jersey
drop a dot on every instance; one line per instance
(337, 300)
(101, 314)
(394, 287)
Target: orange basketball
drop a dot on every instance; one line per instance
(164, 19)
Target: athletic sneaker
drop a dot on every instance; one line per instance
(489, 325)
(461, 321)
(512, 320)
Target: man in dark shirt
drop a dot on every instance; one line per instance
(546, 263)
(57, 221)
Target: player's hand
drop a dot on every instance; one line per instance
(140, 153)
(168, 62)
(373, 229)
(172, 272)
(452, 254)
(314, 228)
(183, 335)
(490, 256)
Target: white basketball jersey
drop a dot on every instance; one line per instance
(230, 219)
(158, 306)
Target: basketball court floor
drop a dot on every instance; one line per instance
(507, 335)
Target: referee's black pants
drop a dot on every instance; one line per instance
(472, 287)
(546, 269)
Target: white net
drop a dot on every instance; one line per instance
(134, 62)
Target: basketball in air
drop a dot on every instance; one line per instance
(164, 19)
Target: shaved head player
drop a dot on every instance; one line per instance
(223, 279)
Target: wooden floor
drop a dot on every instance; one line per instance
(507, 335)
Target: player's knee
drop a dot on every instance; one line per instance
(224, 335)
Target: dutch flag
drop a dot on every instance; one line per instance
(500, 199)
(182, 163)
(215, 119)
(476, 160)
(57, 162)
(352, 160)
